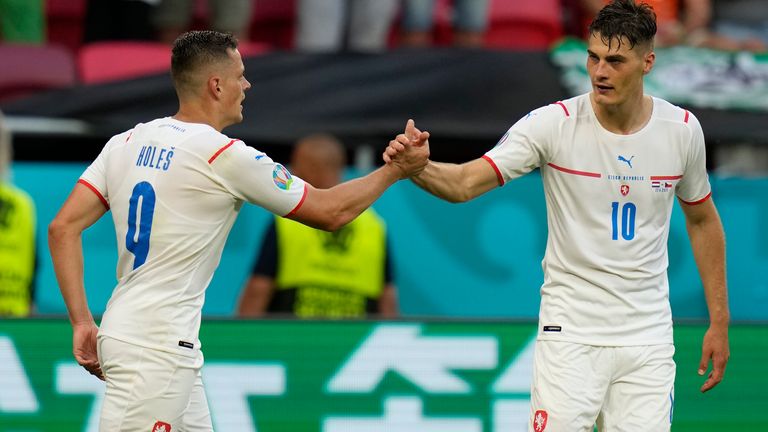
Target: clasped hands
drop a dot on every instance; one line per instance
(409, 151)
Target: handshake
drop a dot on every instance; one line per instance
(409, 151)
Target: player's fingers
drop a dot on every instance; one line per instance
(423, 137)
(402, 139)
(704, 362)
(386, 157)
(410, 125)
(711, 382)
(394, 149)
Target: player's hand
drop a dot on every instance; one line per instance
(409, 151)
(714, 348)
(84, 348)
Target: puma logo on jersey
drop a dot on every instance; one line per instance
(161, 427)
(628, 161)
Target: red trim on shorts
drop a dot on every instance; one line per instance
(699, 201)
(215, 155)
(572, 171)
(96, 191)
(686, 116)
(301, 201)
(567, 114)
(677, 177)
(495, 168)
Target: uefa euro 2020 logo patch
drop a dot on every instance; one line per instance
(282, 177)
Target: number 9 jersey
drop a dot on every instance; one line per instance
(175, 190)
(609, 200)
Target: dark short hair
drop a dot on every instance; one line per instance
(625, 19)
(194, 49)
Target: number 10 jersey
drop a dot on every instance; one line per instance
(609, 200)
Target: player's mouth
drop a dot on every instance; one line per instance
(602, 88)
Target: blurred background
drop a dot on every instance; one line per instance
(75, 72)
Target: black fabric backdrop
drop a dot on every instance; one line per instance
(461, 97)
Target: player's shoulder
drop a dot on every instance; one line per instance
(671, 113)
(556, 110)
(549, 115)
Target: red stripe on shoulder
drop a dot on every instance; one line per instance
(687, 114)
(96, 191)
(698, 201)
(562, 105)
(219, 151)
(129, 136)
(495, 169)
(301, 201)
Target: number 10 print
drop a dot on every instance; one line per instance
(627, 227)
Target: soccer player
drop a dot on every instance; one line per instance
(612, 162)
(175, 186)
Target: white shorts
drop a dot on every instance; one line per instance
(621, 389)
(150, 390)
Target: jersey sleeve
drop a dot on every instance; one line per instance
(95, 176)
(526, 144)
(252, 176)
(694, 186)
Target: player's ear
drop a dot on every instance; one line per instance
(214, 86)
(648, 61)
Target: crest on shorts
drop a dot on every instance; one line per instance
(624, 189)
(539, 420)
(161, 427)
(281, 177)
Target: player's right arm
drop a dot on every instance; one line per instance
(81, 210)
(523, 148)
(457, 182)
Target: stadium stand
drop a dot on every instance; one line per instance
(111, 61)
(65, 22)
(26, 69)
(102, 62)
(524, 24)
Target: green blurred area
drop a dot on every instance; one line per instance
(313, 353)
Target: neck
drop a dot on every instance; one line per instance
(197, 113)
(625, 118)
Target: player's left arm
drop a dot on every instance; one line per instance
(707, 238)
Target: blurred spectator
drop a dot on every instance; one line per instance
(108, 20)
(680, 22)
(336, 25)
(17, 240)
(173, 17)
(745, 21)
(469, 18)
(22, 21)
(317, 274)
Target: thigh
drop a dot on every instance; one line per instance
(418, 15)
(471, 15)
(173, 14)
(641, 396)
(145, 388)
(569, 383)
(232, 16)
(369, 24)
(197, 417)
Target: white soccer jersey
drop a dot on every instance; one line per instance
(609, 200)
(175, 189)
